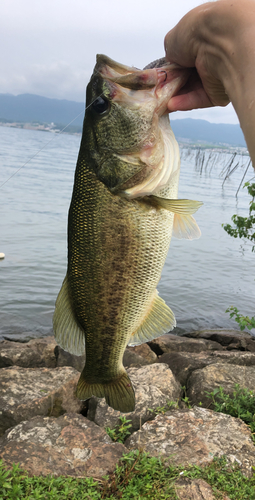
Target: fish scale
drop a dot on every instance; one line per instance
(118, 233)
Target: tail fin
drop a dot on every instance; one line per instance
(119, 393)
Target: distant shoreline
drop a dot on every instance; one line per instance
(44, 127)
(76, 130)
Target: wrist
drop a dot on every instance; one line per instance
(232, 61)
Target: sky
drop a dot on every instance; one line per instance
(48, 47)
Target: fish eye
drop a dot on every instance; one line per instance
(100, 105)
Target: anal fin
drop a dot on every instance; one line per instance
(159, 320)
(68, 333)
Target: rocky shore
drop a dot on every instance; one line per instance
(45, 428)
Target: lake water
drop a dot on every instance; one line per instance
(201, 278)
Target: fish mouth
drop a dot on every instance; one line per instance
(127, 77)
(103, 62)
(165, 80)
(153, 160)
(171, 78)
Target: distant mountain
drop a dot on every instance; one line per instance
(201, 130)
(34, 108)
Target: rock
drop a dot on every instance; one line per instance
(154, 386)
(183, 364)
(69, 445)
(27, 392)
(170, 343)
(147, 398)
(38, 353)
(64, 358)
(195, 437)
(218, 375)
(157, 375)
(34, 354)
(139, 355)
(234, 358)
(230, 339)
(194, 489)
(20, 336)
(208, 334)
(145, 351)
(131, 359)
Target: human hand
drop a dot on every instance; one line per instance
(207, 39)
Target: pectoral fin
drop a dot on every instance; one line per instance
(185, 227)
(185, 207)
(159, 320)
(68, 333)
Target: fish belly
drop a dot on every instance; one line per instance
(117, 249)
(116, 252)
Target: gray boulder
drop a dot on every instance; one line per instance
(230, 339)
(27, 392)
(194, 489)
(34, 354)
(139, 355)
(218, 375)
(64, 358)
(45, 352)
(170, 343)
(183, 364)
(131, 359)
(69, 445)
(195, 437)
(145, 352)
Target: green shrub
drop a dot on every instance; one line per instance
(244, 227)
(243, 321)
(240, 405)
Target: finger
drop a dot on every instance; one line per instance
(175, 50)
(192, 100)
(181, 43)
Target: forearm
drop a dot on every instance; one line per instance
(232, 45)
(241, 88)
(242, 97)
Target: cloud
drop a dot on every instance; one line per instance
(50, 46)
(60, 80)
(57, 80)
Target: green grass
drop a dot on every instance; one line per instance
(161, 410)
(16, 485)
(137, 477)
(121, 431)
(239, 405)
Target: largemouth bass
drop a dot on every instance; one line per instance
(123, 210)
